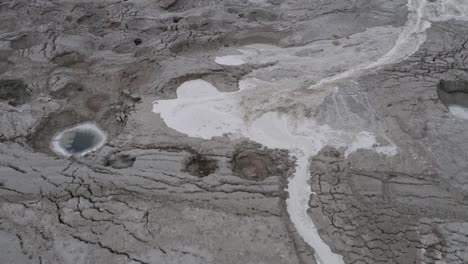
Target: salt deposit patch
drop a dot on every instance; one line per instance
(79, 140)
(459, 111)
(231, 60)
(196, 89)
(200, 111)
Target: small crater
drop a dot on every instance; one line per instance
(453, 92)
(70, 90)
(137, 41)
(14, 92)
(86, 19)
(26, 41)
(121, 161)
(200, 166)
(68, 59)
(127, 46)
(254, 163)
(261, 15)
(95, 102)
(114, 25)
(454, 95)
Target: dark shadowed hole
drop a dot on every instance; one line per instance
(120, 161)
(14, 91)
(200, 166)
(137, 41)
(253, 165)
(453, 92)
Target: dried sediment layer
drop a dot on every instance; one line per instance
(135, 199)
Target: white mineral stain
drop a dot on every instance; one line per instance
(459, 111)
(232, 60)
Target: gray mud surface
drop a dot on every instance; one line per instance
(155, 195)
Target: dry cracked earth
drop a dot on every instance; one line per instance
(153, 194)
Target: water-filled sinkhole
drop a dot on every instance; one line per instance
(78, 140)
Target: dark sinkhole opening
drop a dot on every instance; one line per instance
(120, 161)
(454, 95)
(137, 41)
(79, 140)
(253, 165)
(200, 166)
(14, 91)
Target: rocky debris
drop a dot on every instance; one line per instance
(14, 92)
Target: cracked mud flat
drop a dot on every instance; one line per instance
(268, 131)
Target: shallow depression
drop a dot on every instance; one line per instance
(454, 95)
(78, 140)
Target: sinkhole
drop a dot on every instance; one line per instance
(200, 166)
(78, 140)
(454, 95)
